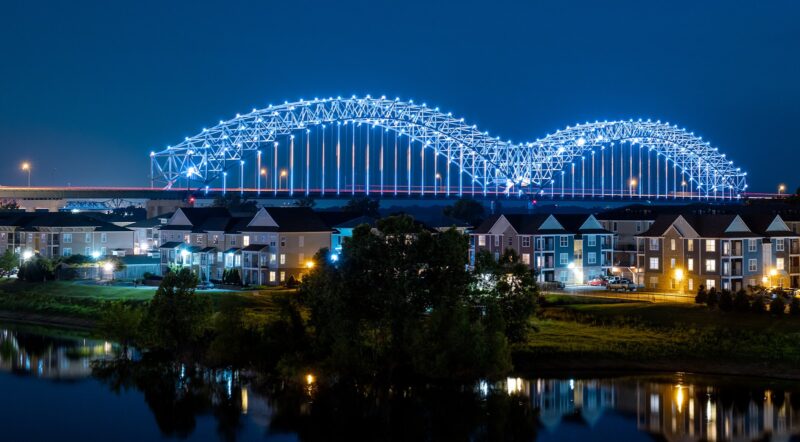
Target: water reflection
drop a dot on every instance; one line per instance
(50, 356)
(178, 400)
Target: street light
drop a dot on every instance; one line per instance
(438, 183)
(633, 183)
(284, 174)
(781, 189)
(679, 279)
(26, 166)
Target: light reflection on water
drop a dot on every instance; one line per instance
(169, 400)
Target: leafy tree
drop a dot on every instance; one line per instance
(121, 323)
(37, 269)
(9, 205)
(177, 317)
(777, 306)
(8, 262)
(466, 209)
(713, 298)
(231, 277)
(702, 296)
(759, 304)
(234, 203)
(726, 301)
(794, 306)
(305, 201)
(363, 205)
(741, 302)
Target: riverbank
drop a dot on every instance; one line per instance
(575, 334)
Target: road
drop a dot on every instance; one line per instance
(647, 296)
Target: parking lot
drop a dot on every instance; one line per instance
(644, 295)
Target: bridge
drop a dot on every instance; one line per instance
(393, 148)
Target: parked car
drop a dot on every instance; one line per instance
(621, 284)
(598, 281)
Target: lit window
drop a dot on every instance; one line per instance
(711, 245)
(690, 245)
(672, 244)
(67, 237)
(246, 240)
(283, 258)
(563, 259)
(526, 258)
(690, 264)
(481, 240)
(710, 284)
(653, 243)
(653, 263)
(711, 265)
(271, 276)
(779, 263)
(591, 240)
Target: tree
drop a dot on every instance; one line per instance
(702, 296)
(177, 316)
(8, 262)
(37, 269)
(466, 209)
(9, 205)
(741, 302)
(777, 306)
(759, 304)
(713, 297)
(794, 306)
(234, 203)
(121, 323)
(363, 205)
(305, 201)
(726, 301)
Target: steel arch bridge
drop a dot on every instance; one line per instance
(392, 147)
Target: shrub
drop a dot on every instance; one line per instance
(794, 307)
(726, 301)
(291, 283)
(741, 302)
(702, 296)
(777, 306)
(713, 298)
(37, 269)
(758, 305)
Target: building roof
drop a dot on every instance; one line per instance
(151, 222)
(524, 224)
(706, 226)
(33, 221)
(355, 222)
(198, 215)
(297, 219)
(333, 218)
(171, 245)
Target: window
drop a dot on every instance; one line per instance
(301, 258)
(497, 240)
(186, 238)
(752, 265)
(198, 239)
(711, 245)
(526, 258)
(215, 239)
(710, 284)
(653, 282)
(497, 256)
(779, 245)
(638, 227)
(563, 241)
(591, 240)
(271, 276)
(66, 251)
(283, 258)
(672, 244)
(691, 284)
(653, 263)
(539, 243)
(102, 251)
(591, 258)
(104, 237)
(690, 264)
(301, 241)
(690, 245)
(526, 241)
(87, 237)
(563, 258)
(653, 243)
(726, 248)
(272, 258)
(672, 263)
(67, 238)
(87, 251)
(751, 245)
(283, 241)
(711, 265)
(245, 240)
(510, 241)
(615, 226)
(481, 240)
(283, 276)
(779, 263)
(232, 241)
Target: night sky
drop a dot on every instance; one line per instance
(89, 88)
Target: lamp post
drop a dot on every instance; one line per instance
(438, 182)
(224, 182)
(284, 174)
(259, 172)
(26, 166)
(679, 280)
(781, 189)
(262, 172)
(241, 177)
(633, 183)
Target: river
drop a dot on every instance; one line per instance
(58, 385)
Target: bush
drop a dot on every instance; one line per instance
(291, 283)
(702, 296)
(777, 306)
(726, 301)
(177, 316)
(794, 307)
(741, 302)
(713, 298)
(231, 277)
(37, 269)
(759, 304)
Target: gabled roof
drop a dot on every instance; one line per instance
(151, 222)
(767, 224)
(706, 226)
(581, 224)
(524, 224)
(199, 215)
(297, 219)
(33, 221)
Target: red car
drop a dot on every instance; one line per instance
(597, 282)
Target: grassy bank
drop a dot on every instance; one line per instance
(72, 303)
(682, 337)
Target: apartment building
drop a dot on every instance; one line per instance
(267, 248)
(146, 234)
(62, 234)
(569, 248)
(725, 251)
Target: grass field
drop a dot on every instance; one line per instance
(87, 301)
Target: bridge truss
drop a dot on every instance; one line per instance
(393, 147)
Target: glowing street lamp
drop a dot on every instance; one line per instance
(781, 189)
(26, 166)
(679, 279)
(309, 264)
(632, 184)
(283, 175)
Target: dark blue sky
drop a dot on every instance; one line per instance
(90, 87)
